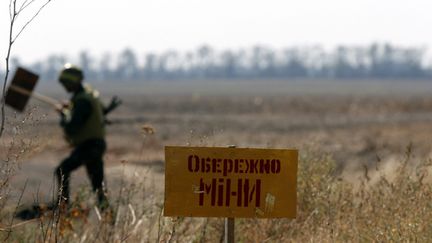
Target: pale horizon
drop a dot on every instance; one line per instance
(66, 27)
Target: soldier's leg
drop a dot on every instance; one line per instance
(95, 170)
(96, 174)
(63, 172)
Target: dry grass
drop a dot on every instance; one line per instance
(392, 206)
(385, 196)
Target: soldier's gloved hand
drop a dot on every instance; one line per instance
(62, 107)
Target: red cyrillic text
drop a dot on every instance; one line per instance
(227, 192)
(237, 166)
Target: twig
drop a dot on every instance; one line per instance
(160, 226)
(122, 182)
(31, 19)
(138, 224)
(16, 209)
(51, 219)
(12, 11)
(84, 237)
(9, 229)
(60, 204)
(173, 231)
(204, 230)
(14, 14)
(25, 5)
(99, 217)
(41, 223)
(133, 214)
(22, 5)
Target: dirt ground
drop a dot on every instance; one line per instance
(368, 126)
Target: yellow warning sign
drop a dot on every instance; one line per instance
(230, 182)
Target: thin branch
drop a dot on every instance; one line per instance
(9, 229)
(14, 12)
(16, 209)
(10, 9)
(3, 116)
(32, 18)
(13, 16)
(48, 232)
(24, 5)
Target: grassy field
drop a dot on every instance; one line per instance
(363, 170)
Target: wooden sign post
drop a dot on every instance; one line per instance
(229, 227)
(230, 182)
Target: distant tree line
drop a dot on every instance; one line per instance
(376, 61)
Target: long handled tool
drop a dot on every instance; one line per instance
(38, 96)
(21, 89)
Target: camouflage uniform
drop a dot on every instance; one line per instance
(83, 125)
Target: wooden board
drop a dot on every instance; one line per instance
(23, 79)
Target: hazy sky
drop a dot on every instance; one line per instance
(157, 25)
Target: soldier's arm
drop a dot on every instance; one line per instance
(81, 112)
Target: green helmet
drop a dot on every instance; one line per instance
(71, 75)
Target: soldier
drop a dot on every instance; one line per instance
(83, 122)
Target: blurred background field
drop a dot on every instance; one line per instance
(362, 145)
